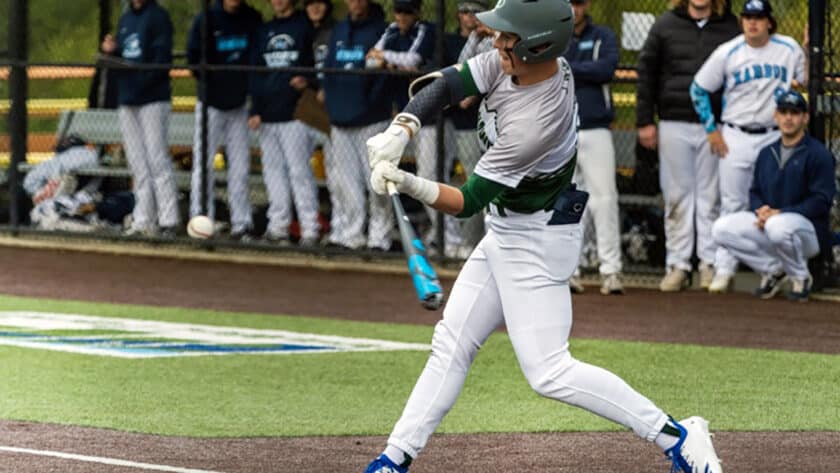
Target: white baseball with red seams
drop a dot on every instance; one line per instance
(200, 227)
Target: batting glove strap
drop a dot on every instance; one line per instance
(390, 144)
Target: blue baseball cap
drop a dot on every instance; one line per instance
(792, 100)
(757, 8)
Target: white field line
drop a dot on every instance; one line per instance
(102, 460)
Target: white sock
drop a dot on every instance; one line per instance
(395, 454)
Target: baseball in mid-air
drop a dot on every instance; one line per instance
(200, 227)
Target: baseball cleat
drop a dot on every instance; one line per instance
(707, 274)
(676, 280)
(800, 289)
(770, 285)
(721, 283)
(694, 452)
(383, 464)
(611, 285)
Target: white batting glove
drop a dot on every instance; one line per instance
(390, 144)
(424, 190)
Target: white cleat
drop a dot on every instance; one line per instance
(721, 283)
(694, 452)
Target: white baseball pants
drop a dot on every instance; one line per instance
(595, 173)
(736, 175)
(348, 171)
(286, 152)
(518, 275)
(145, 131)
(426, 157)
(787, 242)
(688, 174)
(228, 127)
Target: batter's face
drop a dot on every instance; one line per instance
(791, 122)
(756, 28)
(504, 45)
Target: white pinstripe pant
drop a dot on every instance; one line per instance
(144, 130)
(231, 128)
(286, 149)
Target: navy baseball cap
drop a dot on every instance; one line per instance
(757, 8)
(408, 6)
(792, 100)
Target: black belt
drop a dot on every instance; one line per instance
(753, 131)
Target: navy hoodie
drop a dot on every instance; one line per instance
(356, 100)
(144, 36)
(805, 185)
(231, 42)
(593, 56)
(420, 39)
(282, 42)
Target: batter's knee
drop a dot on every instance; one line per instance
(548, 378)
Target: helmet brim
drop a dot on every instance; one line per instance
(492, 20)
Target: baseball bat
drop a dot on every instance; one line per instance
(426, 283)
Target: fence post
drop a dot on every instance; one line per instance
(816, 73)
(202, 94)
(440, 57)
(104, 20)
(19, 54)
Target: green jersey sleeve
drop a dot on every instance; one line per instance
(478, 193)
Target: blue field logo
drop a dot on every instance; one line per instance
(134, 338)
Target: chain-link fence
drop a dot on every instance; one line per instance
(285, 182)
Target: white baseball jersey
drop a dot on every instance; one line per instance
(752, 78)
(523, 134)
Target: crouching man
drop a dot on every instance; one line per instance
(790, 202)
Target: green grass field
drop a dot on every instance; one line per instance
(363, 393)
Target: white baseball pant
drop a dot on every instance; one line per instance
(348, 169)
(145, 131)
(787, 242)
(518, 275)
(427, 167)
(736, 175)
(286, 152)
(595, 173)
(688, 174)
(231, 128)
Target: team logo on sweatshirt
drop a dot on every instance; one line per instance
(280, 51)
(131, 47)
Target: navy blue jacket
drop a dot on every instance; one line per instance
(282, 42)
(144, 36)
(805, 184)
(593, 56)
(356, 100)
(230, 42)
(419, 39)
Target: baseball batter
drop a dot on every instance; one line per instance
(518, 274)
(753, 69)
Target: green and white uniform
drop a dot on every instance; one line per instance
(518, 274)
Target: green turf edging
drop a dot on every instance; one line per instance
(363, 393)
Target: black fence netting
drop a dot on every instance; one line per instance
(273, 150)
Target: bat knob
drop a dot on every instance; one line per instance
(433, 301)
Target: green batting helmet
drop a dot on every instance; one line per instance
(544, 27)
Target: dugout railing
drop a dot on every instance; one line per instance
(48, 68)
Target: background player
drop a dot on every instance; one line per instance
(675, 49)
(518, 273)
(753, 69)
(232, 25)
(593, 57)
(144, 35)
(790, 205)
(359, 106)
(285, 41)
